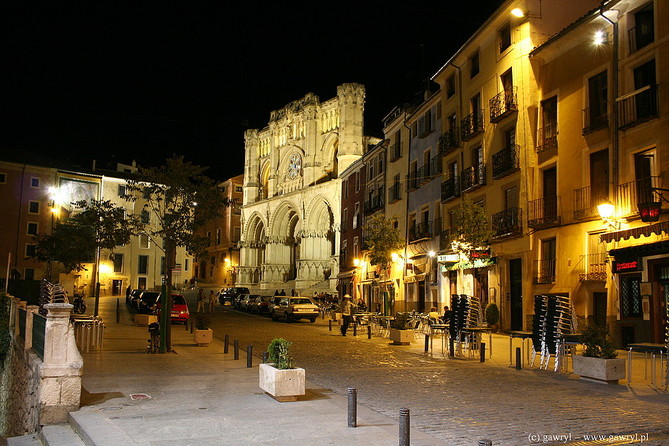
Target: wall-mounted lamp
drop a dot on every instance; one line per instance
(600, 37)
(431, 253)
(356, 262)
(607, 211)
(517, 12)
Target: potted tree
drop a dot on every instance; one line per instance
(203, 334)
(279, 378)
(598, 363)
(401, 332)
(492, 315)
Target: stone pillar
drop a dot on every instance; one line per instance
(28, 339)
(60, 373)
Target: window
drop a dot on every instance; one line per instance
(595, 115)
(450, 85)
(357, 181)
(121, 190)
(186, 262)
(144, 216)
(599, 177)
(356, 248)
(414, 129)
(630, 295)
(143, 265)
(474, 65)
(32, 228)
(31, 250)
(439, 110)
(29, 274)
(345, 220)
(238, 189)
(33, 207)
(208, 238)
(236, 234)
(118, 263)
(34, 182)
(425, 124)
(397, 147)
(218, 236)
(504, 38)
(345, 186)
(371, 171)
(356, 216)
(546, 273)
(344, 254)
(643, 32)
(3, 178)
(144, 241)
(380, 165)
(510, 138)
(548, 132)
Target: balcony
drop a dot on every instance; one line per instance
(505, 162)
(472, 125)
(635, 192)
(637, 107)
(394, 193)
(445, 240)
(503, 104)
(420, 231)
(543, 213)
(413, 180)
(638, 38)
(585, 205)
(374, 203)
(449, 141)
(450, 189)
(473, 177)
(507, 223)
(547, 138)
(592, 267)
(595, 118)
(544, 271)
(435, 166)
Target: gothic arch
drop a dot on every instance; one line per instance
(319, 215)
(330, 148)
(284, 220)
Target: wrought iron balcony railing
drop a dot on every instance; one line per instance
(544, 271)
(473, 177)
(637, 107)
(450, 189)
(472, 125)
(543, 212)
(505, 161)
(507, 223)
(631, 194)
(595, 118)
(449, 141)
(547, 138)
(592, 267)
(503, 104)
(638, 38)
(375, 203)
(413, 180)
(585, 205)
(422, 230)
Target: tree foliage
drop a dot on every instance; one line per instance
(381, 239)
(471, 230)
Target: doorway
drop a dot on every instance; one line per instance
(516, 293)
(117, 287)
(421, 297)
(599, 309)
(141, 283)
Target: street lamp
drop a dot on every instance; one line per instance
(606, 211)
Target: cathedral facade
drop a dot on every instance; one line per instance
(291, 208)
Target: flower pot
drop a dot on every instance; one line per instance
(401, 337)
(204, 337)
(599, 370)
(282, 384)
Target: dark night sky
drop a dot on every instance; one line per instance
(142, 80)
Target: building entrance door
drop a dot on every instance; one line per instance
(599, 309)
(516, 293)
(117, 286)
(421, 297)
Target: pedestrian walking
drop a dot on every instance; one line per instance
(212, 301)
(200, 301)
(282, 293)
(347, 313)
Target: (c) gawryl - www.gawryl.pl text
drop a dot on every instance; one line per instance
(535, 438)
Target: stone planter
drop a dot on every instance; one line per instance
(603, 371)
(335, 316)
(145, 319)
(283, 385)
(401, 337)
(204, 337)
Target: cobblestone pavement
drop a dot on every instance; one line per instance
(458, 401)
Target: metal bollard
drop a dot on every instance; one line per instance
(265, 357)
(236, 349)
(369, 332)
(352, 407)
(192, 325)
(118, 311)
(451, 347)
(249, 356)
(427, 342)
(330, 325)
(482, 352)
(405, 430)
(519, 363)
(226, 341)
(485, 442)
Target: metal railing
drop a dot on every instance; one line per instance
(638, 39)
(507, 223)
(39, 330)
(450, 189)
(592, 267)
(505, 161)
(88, 333)
(375, 202)
(422, 230)
(595, 118)
(445, 239)
(584, 205)
(435, 166)
(449, 141)
(394, 193)
(637, 107)
(472, 125)
(503, 103)
(473, 177)
(544, 271)
(543, 212)
(547, 137)
(635, 192)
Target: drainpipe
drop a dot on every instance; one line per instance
(614, 111)
(406, 213)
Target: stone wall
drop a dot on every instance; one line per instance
(19, 392)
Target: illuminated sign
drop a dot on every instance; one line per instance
(626, 266)
(485, 254)
(649, 211)
(448, 258)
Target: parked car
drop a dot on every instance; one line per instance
(261, 304)
(229, 295)
(133, 300)
(180, 311)
(272, 304)
(246, 301)
(147, 301)
(294, 308)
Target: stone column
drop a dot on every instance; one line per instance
(28, 339)
(60, 373)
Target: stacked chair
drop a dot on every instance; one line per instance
(465, 313)
(550, 323)
(50, 293)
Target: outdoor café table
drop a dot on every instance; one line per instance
(478, 331)
(646, 348)
(444, 330)
(523, 335)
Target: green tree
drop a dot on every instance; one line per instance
(381, 240)
(471, 230)
(179, 198)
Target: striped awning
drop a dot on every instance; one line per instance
(648, 230)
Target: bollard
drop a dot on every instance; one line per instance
(485, 442)
(427, 342)
(186, 324)
(265, 357)
(330, 325)
(226, 341)
(451, 347)
(352, 407)
(249, 356)
(404, 427)
(192, 325)
(482, 353)
(369, 332)
(236, 349)
(118, 311)
(519, 360)
(355, 329)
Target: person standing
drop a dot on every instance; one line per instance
(346, 313)
(127, 292)
(200, 301)
(282, 293)
(212, 301)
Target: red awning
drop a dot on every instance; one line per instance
(646, 231)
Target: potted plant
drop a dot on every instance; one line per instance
(598, 363)
(203, 334)
(279, 378)
(492, 316)
(401, 332)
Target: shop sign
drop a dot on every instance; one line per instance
(649, 211)
(481, 254)
(448, 258)
(624, 266)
